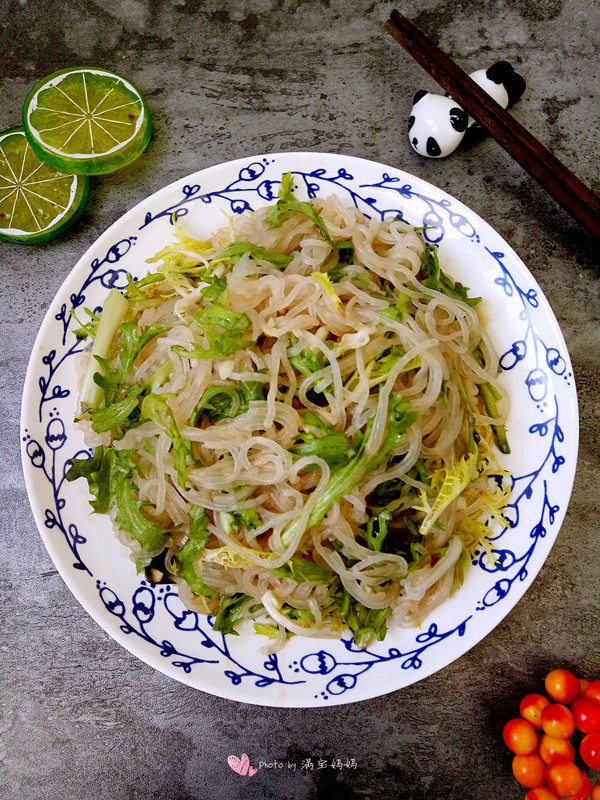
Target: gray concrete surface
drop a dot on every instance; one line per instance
(80, 717)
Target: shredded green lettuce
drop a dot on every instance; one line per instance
(438, 280)
(109, 473)
(343, 479)
(377, 530)
(333, 447)
(402, 308)
(227, 402)
(233, 609)
(233, 252)
(247, 518)
(187, 556)
(155, 407)
(446, 484)
(224, 330)
(490, 397)
(303, 570)
(264, 629)
(114, 312)
(306, 362)
(287, 203)
(87, 329)
(365, 623)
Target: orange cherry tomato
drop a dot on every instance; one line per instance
(589, 750)
(520, 736)
(531, 708)
(595, 791)
(541, 793)
(552, 747)
(592, 691)
(564, 777)
(587, 715)
(562, 686)
(584, 792)
(529, 770)
(557, 720)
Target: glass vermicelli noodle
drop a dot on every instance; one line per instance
(296, 423)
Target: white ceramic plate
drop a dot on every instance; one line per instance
(149, 620)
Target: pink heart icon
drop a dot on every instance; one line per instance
(241, 765)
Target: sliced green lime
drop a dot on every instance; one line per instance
(37, 201)
(86, 121)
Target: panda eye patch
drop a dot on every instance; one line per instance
(458, 119)
(433, 148)
(411, 121)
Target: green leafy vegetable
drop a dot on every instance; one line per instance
(305, 362)
(197, 540)
(114, 312)
(87, 329)
(109, 473)
(366, 624)
(331, 446)
(385, 493)
(105, 418)
(131, 344)
(447, 484)
(399, 420)
(248, 518)
(302, 614)
(133, 290)
(346, 256)
(233, 609)
(302, 570)
(236, 250)
(389, 357)
(490, 396)
(336, 274)
(155, 407)
(399, 310)
(224, 330)
(343, 479)
(287, 202)
(216, 291)
(264, 629)
(112, 380)
(377, 529)
(226, 402)
(438, 280)
(160, 377)
(473, 437)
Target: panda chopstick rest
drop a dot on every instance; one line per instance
(437, 124)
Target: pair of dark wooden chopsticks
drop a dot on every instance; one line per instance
(545, 168)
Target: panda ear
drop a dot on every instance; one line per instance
(503, 73)
(515, 87)
(458, 119)
(499, 72)
(421, 93)
(411, 121)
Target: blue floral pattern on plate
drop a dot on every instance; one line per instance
(150, 620)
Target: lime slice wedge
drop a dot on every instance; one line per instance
(86, 121)
(37, 201)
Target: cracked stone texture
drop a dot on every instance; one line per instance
(81, 717)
